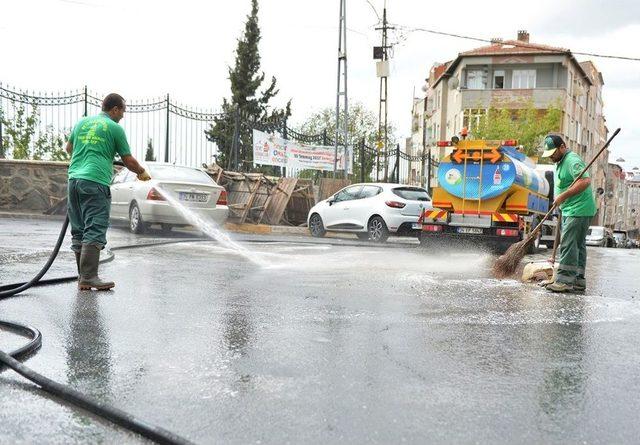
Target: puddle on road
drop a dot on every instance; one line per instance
(452, 288)
(324, 258)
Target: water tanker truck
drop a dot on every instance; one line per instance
(489, 193)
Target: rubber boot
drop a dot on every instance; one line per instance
(77, 254)
(89, 261)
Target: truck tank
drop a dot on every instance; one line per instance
(497, 178)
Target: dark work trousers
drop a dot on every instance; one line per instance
(88, 204)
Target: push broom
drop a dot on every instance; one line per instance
(507, 264)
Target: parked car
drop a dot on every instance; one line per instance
(141, 204)
(622, 239)
(371, 211)
(600, 236)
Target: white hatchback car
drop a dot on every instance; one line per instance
(141, 204)
(371, 211)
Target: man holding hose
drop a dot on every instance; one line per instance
(93, 144)
(578, 208)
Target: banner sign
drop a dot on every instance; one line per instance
(273, 150)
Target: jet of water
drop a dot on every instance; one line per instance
(209, 228)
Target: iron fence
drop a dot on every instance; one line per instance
(175, 132)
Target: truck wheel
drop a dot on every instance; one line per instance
(534, 246)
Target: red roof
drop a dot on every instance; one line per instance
(509, 47)
(439, 70)
(513, 47)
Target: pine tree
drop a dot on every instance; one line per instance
(149, 156)
(246, 101)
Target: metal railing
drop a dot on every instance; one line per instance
(176, 133)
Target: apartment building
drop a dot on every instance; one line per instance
(509, 74)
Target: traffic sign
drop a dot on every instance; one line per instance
(494, 155)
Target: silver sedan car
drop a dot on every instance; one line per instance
(143, 203)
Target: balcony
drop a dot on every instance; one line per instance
(511, 98)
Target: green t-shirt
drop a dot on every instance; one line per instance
(96, 140)
(582, 204)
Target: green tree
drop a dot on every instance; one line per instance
(246, 100)
(528, 125)
(22, 138)
(363, 123)
(149, 154)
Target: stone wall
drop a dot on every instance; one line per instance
(31, 186)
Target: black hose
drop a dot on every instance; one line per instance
(56, 389)
(58, 280)
(115, 415)
(11, 292)
(67, 393)
(30, 348)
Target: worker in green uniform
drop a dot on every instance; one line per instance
(93, 144)
(578, 208)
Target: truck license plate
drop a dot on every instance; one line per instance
(471, 230)
(193, 197)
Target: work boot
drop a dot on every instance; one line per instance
(558, 286)
(89, 261)
(77, 254)
(580, 285)
(545, 283)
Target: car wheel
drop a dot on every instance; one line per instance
(363, 236)
(136, 224)
(534, 246)
(316, 227)
(378, 232)
(166, 228)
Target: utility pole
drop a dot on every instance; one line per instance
(341, 91)
(382, 53)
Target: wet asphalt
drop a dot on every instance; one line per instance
(322, 342)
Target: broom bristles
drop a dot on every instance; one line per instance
(507, 264)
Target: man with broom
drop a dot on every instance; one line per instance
(578, 208)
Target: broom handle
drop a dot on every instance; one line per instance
(535, 231)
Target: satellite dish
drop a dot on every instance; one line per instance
(453, 83)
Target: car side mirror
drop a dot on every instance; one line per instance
(331, 201)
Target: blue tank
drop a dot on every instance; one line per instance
(498, 178)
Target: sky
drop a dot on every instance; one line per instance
(145, 48)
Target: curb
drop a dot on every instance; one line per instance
(263, 229)
(31, 216)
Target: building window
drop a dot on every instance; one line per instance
(498, 79)
(471, 118)
(523, 79)
(475, 79)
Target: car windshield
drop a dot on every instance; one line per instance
(595, 231)
(182, 174)
(412, 193)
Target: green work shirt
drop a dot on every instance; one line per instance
(582, 204)
(96, 140)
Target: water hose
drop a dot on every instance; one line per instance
(117, 416)
(64, 392)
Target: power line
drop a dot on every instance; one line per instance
(514, 43)
(375, 11)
